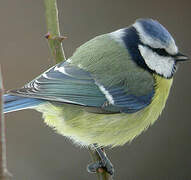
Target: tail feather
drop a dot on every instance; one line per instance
(16, 103)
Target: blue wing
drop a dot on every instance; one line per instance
(128, 103)
(64, 83)
(69, 84)
(15, 103)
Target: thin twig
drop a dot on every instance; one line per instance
(4, 174)
(55, 43)
(53, 35)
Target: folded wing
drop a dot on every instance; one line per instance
(69, 84)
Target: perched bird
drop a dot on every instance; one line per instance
(112, 88)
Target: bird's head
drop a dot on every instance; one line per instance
(151, 46)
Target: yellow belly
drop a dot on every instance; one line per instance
(86, 128)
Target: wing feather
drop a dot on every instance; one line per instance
(69, 84)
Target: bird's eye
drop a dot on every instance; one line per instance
(161, 52)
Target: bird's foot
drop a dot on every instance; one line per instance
(99, 166)
(103, 164)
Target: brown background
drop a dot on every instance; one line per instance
(35, 152)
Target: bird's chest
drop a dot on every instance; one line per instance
(115, 129)
(162, 90)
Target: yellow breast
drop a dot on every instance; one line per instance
(162, 90)
(106, 129)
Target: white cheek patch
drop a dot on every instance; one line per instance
(160, 64)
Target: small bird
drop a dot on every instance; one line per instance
(112, 88)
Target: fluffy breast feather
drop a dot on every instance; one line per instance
(85, 128)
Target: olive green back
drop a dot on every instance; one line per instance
(110, 63)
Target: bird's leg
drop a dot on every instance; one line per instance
(104, 162)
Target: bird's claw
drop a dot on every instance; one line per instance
(93, 167)
(107, 165)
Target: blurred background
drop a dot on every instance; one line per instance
(34, 151)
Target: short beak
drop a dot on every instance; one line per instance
(181, 57)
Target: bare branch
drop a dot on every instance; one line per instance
(53, 35)
(4, 174)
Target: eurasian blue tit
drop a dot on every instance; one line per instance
(112, 88)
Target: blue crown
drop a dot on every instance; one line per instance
(155, 30)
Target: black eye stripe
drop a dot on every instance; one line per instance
(159, 51)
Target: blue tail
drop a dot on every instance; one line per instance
(16, 103)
